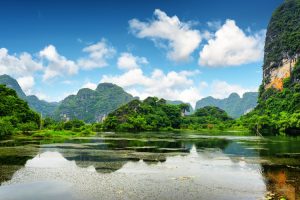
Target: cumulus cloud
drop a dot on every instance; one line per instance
(17, 66)
(42, 96)
(57, 65)
(181, 40)
(171, 86)
(90, 85)
(26, 83)
(97, 55)
(222, 89)
(231, 46)
(129, 61)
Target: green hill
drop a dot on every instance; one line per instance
(234, 105)
(150, 114)
(43, 107)
(156, 114)
(278, 109)
(13, 84)
(92, 105)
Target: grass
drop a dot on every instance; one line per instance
(64, 134)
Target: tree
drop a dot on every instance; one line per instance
(184, 108)
(6, 128)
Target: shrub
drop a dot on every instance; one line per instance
(6, 128)
(27, 127)
(86, 132)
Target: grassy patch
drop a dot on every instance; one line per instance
(56, 134)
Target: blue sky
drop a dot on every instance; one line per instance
(183, 50)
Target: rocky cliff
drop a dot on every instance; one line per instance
(278, 108)
(282, 45)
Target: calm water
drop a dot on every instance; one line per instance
(151, 166)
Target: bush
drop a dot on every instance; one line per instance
(73, 124)
(97, 127)
(27, 127)
(86, 132)
(58, 126)
(6, 128)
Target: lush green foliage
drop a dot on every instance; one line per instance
(208, 117)
(156, 114)
(150, 114)
(91, 105)
(189, 109)
(6, 128)
(277, 111)
(234, 105)
(283, 34)
(15, 113)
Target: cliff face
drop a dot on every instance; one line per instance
(278, 108)
(282, 46)
(274, 77)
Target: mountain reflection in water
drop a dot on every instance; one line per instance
(154, 168)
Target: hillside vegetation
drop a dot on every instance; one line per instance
(234, 105)
(278, 112)
(283, 34)
(15, 113)
(92, 105)
(42, 107)
(156, 114)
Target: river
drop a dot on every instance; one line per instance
(150, 166)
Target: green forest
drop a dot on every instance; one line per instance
(277, 112)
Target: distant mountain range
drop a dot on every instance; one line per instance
(92, 105)
(43, 107)
(234, 105)
(180, 102)
(88, 105)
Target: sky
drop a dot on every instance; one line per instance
(173, 49)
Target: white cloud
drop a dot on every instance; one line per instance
(222, 89)
(57, 65)
(18, 66)
(97, 55)
(181, 39)
(90, 85)
(207, 35)
(129, 61)
(26, 83)
(171, 86)
(203, 84)
(42, 96)
(231, 46)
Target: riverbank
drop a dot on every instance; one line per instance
(67, 134)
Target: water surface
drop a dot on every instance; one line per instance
(151, 166)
